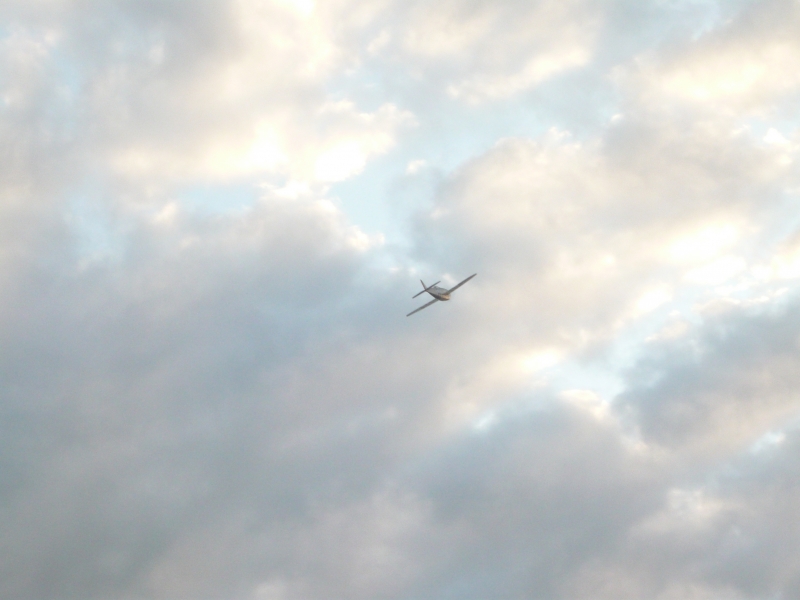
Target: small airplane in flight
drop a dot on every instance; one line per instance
(437, 293)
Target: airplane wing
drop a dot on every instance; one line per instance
(460, 284)
(423, 306)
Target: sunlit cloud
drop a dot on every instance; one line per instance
(652, 299)
(717, 271)
(703, 245)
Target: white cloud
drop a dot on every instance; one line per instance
(704, 244)
(652, 299)
(242, 95)
(744, 67)
(484, 52)
(532, 73)
(717, 271)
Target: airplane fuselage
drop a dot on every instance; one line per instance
(439, 293)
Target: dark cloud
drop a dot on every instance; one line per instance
(723, 386)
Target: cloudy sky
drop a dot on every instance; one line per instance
(213, 216)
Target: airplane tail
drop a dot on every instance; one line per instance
(425, 288)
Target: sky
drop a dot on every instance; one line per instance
(213, 218)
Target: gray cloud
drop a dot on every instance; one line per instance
(725, 386)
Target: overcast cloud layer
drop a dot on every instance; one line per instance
(213, 216)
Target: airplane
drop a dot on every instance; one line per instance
(437, 293)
